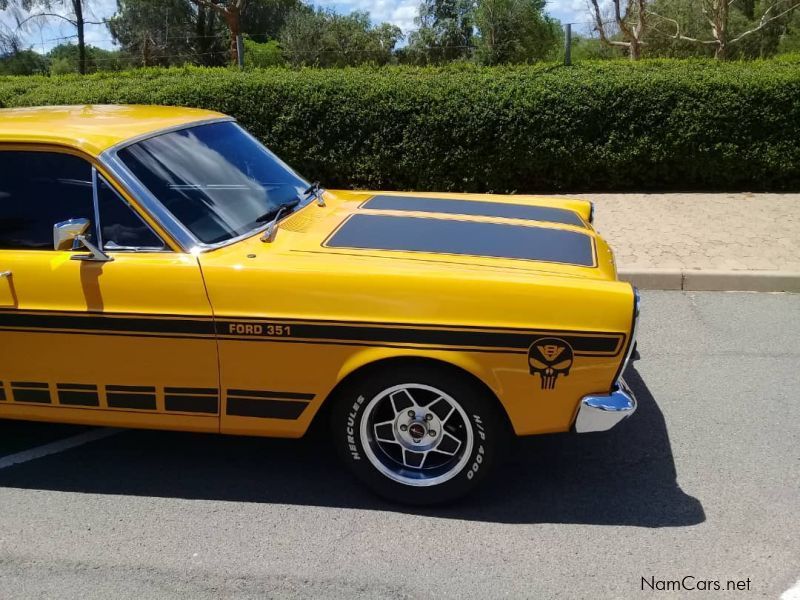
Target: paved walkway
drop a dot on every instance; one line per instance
(737, 234)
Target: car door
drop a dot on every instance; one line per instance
(126, 341)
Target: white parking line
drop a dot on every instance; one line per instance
(56, 447)
(793, 593)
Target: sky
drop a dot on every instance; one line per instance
(42, 35)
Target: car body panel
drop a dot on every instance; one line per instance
(274, 328)
(365, 290)
(99, 336)
(93, 128)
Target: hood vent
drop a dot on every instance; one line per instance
(302, 221)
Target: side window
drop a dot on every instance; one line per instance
(120, 226)
(38, 190)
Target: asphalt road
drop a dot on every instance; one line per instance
(704, 481)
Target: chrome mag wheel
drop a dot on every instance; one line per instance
(416, 435)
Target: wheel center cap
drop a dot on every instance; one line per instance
(417, 430)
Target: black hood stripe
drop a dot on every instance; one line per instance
(475, 208)
(467, 238)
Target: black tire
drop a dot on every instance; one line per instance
(360, 430)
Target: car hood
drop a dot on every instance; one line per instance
(465, 231)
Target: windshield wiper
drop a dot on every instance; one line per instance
(272, 229)
(277, 211)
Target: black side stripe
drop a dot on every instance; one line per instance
(32, 396)
(191, 391)
(585, 345)
(322, 332)
(77, 394)
(203, 401)
(71, 398)
(31, 392)
(77, 386)
(137, 397)
(108, 323)
(192, 404)
(29, 384)
(191, 400)
(130, 388)
(274, 395)
(267, 404)
(265, 409)
(135, 401)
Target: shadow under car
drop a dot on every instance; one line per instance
(622, 477)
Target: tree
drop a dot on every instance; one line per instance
(152, 33)
(590, 48)
(720, 15)
(16, 61)
(789, 40)
(263, 20)
(9, 42)
(64, 58)
(445, 31)
(688, 17)
(208, 40)
(164, 32)
(268, 54)
(76, 18)
(23, 62)
(631, 23)
(231, 13)
(514, 31)
(323, 38)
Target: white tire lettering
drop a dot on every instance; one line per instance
(350, 428)
(477, 464)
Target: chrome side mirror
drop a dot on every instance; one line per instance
(66, 232)
(71, 235)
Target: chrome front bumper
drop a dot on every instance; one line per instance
(602, 412)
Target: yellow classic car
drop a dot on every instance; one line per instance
(160, 268)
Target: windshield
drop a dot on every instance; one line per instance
(215, 179)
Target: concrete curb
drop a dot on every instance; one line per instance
(712, 281)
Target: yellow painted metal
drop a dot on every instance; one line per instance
(92, 128)
(295, 279)
(46, 284)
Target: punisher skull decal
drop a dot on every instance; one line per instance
(550, 357)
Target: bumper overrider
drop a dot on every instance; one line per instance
(601, 412)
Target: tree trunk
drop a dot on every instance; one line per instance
(79, 24)
(146, 52)
(234, 26)
(635, 52)
(720, 29)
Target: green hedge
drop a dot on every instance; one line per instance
(598, 126)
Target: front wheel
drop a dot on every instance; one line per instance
(417, 435)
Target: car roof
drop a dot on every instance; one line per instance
(93, 128)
